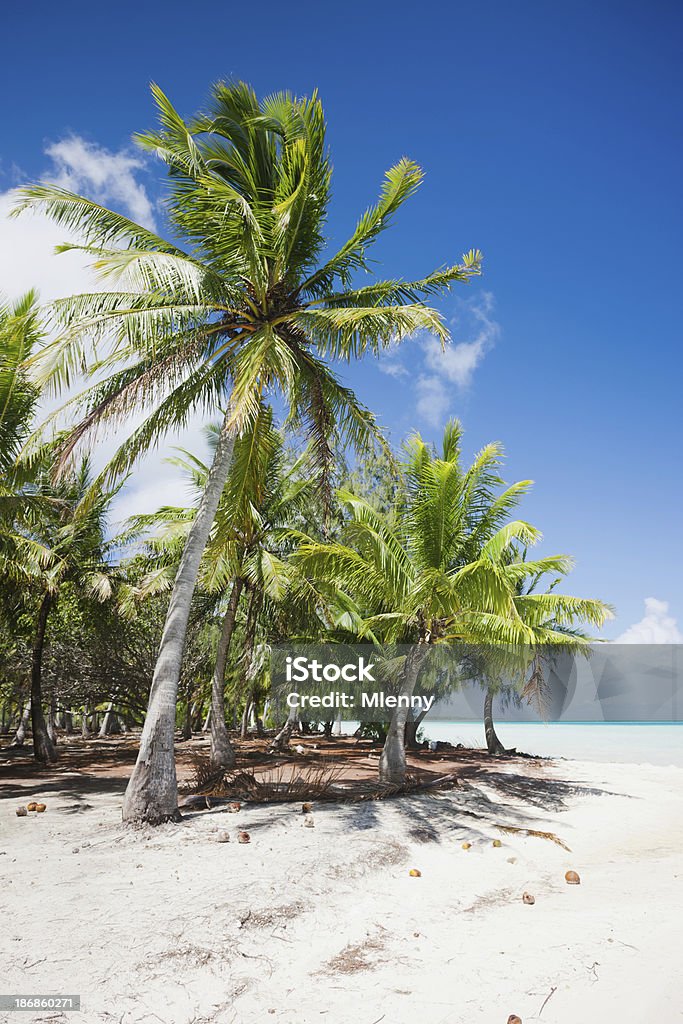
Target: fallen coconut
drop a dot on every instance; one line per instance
(496, 843)
(222, 837)
(309, 822)
(306, 808)
(21, 812)
(414, 873)
(234, 807)
(572, 878)
(467, 846)
(40, 808)
(528, 899)
(243, 837)
(514, 1019)
(32, 806)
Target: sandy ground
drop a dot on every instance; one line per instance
(324, 925)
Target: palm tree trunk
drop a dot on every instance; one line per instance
(411, 730)
(493, 744)
(152, 793)
(109, 722)
(281, 741)
(392, 763)
(249, 640)
(186, 731)
(43, 747)
(222, 751)
(20, 735)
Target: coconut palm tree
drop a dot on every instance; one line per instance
(247, 306)
(442, 573)
(64, 545)
(558, 622)
(264, 495)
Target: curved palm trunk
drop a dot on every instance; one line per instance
(281, 742)
(222, 751)
(43, 747)
(493, 744)
(152, 793)
(392, 763)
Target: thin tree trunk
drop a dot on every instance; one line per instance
(152, 793)
(392, 763)
(207, 721)
(20, 735)
(109, 723)
(244, 730)
(52, 720)
(281, 741)
(85, 727)
(411, 730)
(222, 751)
(43, 747)
(493, 744)
(249, 638)
(186, 731)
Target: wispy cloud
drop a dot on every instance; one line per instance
(444, 373)
(656, 626)
(105, 176)
(28, 260)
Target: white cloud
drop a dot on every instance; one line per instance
(102, 175)
(458, 361)
(28, 260)
(656, 627)
(433, 400)
(445, 371)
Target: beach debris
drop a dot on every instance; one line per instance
(414, 873)
(222, 836)
(467, 846)
(497, 843)
(234, 807)
(514, 1019)
(306, 808)
(40, 808)
(299, 749)
(21, 812)
(528, 899)
(32, 806)
(513, 830)
(75, 849)
(309, 822)
(243, 837)
(572, 878)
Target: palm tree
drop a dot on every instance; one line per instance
(444, 568)
(248, 308)
(558, 623)
(436, 572)
(263, 497)
(63, 545)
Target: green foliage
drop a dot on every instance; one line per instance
(243, 308)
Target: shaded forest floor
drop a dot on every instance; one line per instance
(106, 764)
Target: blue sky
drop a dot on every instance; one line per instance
(551, 139)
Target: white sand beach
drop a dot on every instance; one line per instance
(324, 924)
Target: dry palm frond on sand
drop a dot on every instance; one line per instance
(284, 784)
(512, 829)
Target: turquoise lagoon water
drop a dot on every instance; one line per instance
(632, 743)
